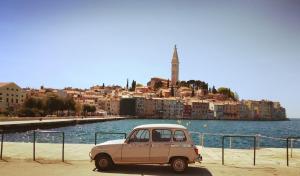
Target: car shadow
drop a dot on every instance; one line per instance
(157, 170)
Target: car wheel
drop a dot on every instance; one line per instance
(179, 164)
(103, 162)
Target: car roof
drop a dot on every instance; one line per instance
(169, 126)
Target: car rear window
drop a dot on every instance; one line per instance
(179, 136)
(161, 135)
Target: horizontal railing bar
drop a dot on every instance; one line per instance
(226, 136)
(44, 131)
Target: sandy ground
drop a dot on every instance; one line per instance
(18, 161)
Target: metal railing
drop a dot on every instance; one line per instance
(240, 136)
(2, 139)
(49, 132)
(106, 133)
(288, 139)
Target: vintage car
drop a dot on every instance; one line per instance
(149, 144)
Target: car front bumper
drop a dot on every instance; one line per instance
(91, 157)
(199, 158)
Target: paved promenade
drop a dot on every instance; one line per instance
(18, 161)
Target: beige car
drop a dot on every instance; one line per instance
(149, 144)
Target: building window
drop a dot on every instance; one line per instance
(6, 100)
(7, 88)
(17, 101)
(0, 93)
(12, 100)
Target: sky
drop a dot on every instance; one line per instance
(251, 46)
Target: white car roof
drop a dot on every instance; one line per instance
(170, 126)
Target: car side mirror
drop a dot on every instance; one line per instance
(128, 141)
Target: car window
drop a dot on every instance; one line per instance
(161, 135)
(140, 136)
(179, 136)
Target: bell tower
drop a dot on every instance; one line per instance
(175, 68)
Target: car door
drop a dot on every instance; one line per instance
(136, 149)
(160, 145)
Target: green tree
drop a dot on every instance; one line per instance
(193, 91)
(227, 92)
(53, 104)
(127, 84)
(88, 109)
(69, 104)
(30, 102)
(133, 85)
(139, 85)
(214, 90)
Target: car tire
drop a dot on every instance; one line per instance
(179, 164)
(103, 162)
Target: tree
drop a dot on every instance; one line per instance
(30, 102)
(133, 85)
(103, 85)
(214, 90)
(227, 92)
(69, 104)
(78, 108)
(127, 85)
(88, 108)
(193, 91)
(139, 85)
(236, 96)
(53, 104)
(172, 91)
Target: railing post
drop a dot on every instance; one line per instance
(223, 150)
(254, 150)
(292, 140)
(34, 145)
(202, 140)
(95, 138)
(287, 151)
(229, 142)
(258, 140)
(2, 139)
(63, 147)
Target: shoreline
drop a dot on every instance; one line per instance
(22, 126)
(33, 123)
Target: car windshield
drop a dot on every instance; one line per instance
(140, 136)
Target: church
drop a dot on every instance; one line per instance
(174, 73)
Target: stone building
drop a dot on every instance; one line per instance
(172, 108)
(200, 109)
(11, 96)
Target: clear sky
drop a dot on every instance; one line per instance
(251, 46)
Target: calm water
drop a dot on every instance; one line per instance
(85, 133)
